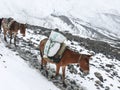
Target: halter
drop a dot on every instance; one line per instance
(79, 58)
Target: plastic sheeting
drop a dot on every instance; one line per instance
(53, 44)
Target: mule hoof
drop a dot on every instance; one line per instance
(15, 45)
(41, 67)
(64, 84)
(53, 77)
(6, 41)
(46, 73)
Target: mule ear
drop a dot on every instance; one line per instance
(89, 56)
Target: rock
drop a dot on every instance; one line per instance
(119, 87)
(109, 65)
(115, 73)
(72, 69)
(73, 82)
(90, 78)
(67, 82)
(111, 85)
(102, 67)
(107, 70)
(107, 88)
(69, 88)
(1, 55)
(44, 73)
(99, 76)
(98, 82)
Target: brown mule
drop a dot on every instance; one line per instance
(5, 25)
(69, 57)
(12, 27)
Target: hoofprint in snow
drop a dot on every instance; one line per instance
(15, 73)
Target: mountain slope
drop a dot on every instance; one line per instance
(15, 73)
(95, 20)
(85, 23)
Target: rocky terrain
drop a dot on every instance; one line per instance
(96, 46)
(29, 51)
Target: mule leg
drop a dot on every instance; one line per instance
(5, 35)
(43, 62)
(5, 38)
(15, 40)
(63, 76)
(15, 35)
(63, 73)
(57, 69)
(10, 37)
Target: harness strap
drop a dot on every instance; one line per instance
(49, 47)
(79, 58)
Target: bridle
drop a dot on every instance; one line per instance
(79, 58)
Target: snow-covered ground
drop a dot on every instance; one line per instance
(15, 73)
(75, 16)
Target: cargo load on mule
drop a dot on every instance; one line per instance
(55, 46)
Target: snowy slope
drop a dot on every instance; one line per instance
(15, 74)
(94, 19)
(14, 69)
(107, 68)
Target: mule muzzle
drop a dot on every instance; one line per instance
(85, 72)
(23, 35)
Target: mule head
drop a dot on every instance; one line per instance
(84, 64)
(23, 29)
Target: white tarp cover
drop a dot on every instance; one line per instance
(53, 43)
(56, 36)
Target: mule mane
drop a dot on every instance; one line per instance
(72, 50)
(22, 28)
(78, 53)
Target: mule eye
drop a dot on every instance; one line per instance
(90, 58)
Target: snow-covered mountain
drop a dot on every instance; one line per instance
(93, 19)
